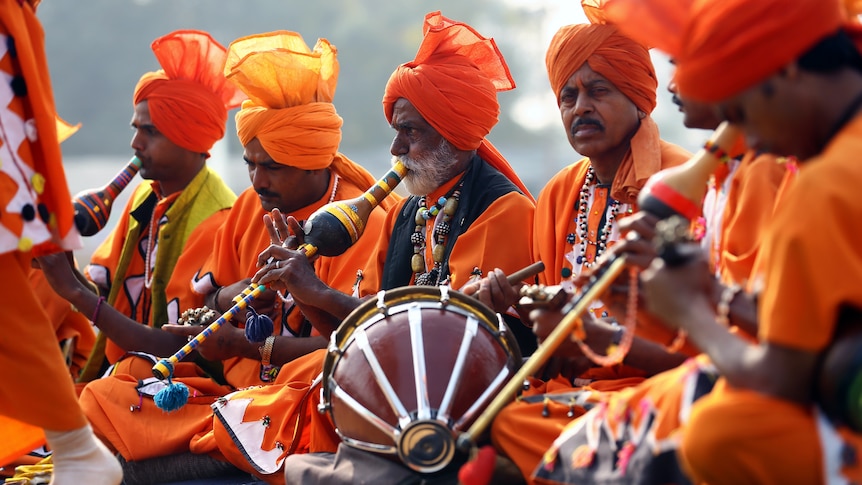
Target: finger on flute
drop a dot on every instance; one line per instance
(163, 368)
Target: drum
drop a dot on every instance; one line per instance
(407, 372)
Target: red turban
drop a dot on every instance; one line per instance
(627, 65)
(453, 83)
(189, 97)
(723, 47)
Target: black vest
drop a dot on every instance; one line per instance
(483, 184)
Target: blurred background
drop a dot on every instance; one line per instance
(97, 50)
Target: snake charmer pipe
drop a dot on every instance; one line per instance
(93, 206)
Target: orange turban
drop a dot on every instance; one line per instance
(189, 97)
(290, 89)
(627, 65)
(723, 47)
(453, 83)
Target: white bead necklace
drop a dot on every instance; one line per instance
(582, 222)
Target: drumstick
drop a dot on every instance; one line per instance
(572, 312)
(526, 272)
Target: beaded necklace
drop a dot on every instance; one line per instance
(442, 211)
(581, 223)
(151, 252)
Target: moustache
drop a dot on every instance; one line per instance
(676, 100)
(583, 122)
(266, 193)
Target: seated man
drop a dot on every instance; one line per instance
(180, 112)
(441, 140)
(760, 423)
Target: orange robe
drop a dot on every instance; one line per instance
(35, 216)
(119, 263)
(231, 241)
(812, 267)
(503, 222)
(241, 239)
(557, 243)
(649, 416)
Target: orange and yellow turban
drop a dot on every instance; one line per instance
(627, 65)
(289, 108)
(453, 83)
(189, 96)
(723, 47)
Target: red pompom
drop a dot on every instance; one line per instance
(479, 470)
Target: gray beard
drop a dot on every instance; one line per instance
(428, 173)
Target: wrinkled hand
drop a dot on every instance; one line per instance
(227, 342)
(494, 291)
(288, 271)
(674, 294)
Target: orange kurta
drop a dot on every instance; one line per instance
(751, 195)
(35, 213)
(813, 266)
(557, 244)
(242, 238)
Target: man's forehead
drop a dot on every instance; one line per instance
(404, 112)
(585, 75)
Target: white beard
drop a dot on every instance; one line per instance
(428, 173)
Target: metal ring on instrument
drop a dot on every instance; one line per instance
(392, 390)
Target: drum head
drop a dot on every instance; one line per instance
(416, 364)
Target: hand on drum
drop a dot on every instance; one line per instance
(494, 290)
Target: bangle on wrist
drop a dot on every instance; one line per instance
(722, 310)
(97, 309)
(266, 350)
(216, 305)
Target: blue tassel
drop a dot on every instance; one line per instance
(257, 327)
(172, 397)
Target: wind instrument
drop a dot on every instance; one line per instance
(93, 206)
(329, 231)
(680, 190)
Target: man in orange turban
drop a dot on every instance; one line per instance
(799, 93)
(605, 87)
(290, 132)
(179, 113)
(36, 218)
(466, 200)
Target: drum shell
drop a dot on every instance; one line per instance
(418, 362)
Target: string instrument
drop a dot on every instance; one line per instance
(599, 282)
(329, 231)
(93, 206)
(673, 195)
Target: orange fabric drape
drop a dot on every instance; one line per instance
(189, 97)
(289, 110)
(723, 48)
(453, 83)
